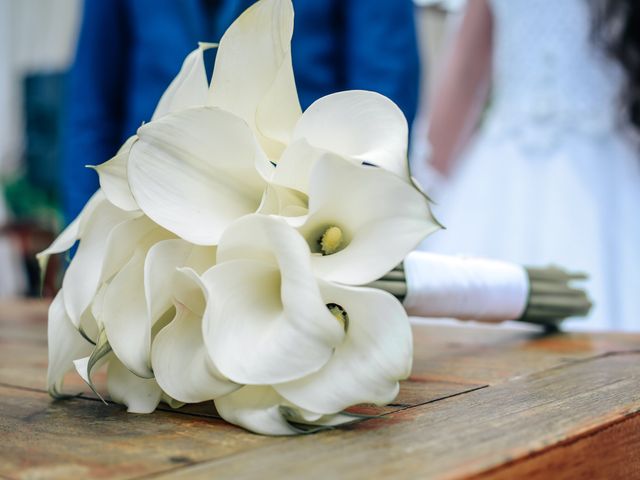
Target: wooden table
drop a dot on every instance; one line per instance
(483, 402)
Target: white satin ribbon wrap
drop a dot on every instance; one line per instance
(465, 288)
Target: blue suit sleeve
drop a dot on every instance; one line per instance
(382, 50)
(94, 100)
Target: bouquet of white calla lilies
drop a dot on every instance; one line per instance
(227, 254)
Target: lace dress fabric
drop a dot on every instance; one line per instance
(552, 177)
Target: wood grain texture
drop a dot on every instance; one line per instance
(83, 438)
(482, 402)
(460, 436)
(614, 448)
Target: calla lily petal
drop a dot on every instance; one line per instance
(377, 325)
(160, 271)
(96, 309)
(89, 326)
(113, 178)
(181, 363)
(82, 278)
(189, 88)
(172, 402)
(304, 421)
(285, 202)
(261, 409)
(124, 317)
(124, 312)
(82, 367)
(378, 233)
(194, 172)
(62, 243)
(99, 356)
(65, 345)
(264, 301)
(359, 125)
(295, 165)
(253, 77)
(255, 408)
(71, 234)
(123, 240)
(140, 395)
(245, 314)
(278, 111)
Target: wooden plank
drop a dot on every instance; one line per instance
(489, 354)
(615, 449)
(458, 437)
(85, 439)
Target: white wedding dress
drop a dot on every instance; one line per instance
(551, 177)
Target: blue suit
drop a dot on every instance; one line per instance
(129, 50)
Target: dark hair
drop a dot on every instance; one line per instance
(617, 29)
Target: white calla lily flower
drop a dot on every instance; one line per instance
(376, 323)
(253, 75)
(362, 220)
(360, 126)
(264, 301)
(181, 363)
(196, 171)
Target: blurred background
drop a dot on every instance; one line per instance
(37, 48)
(522, 114)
